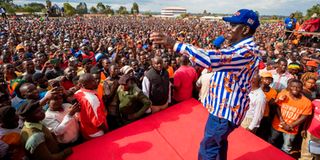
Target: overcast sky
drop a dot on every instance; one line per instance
(265, 7)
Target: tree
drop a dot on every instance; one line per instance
(312, 10)
(6, 1)
(148, 13)
(100, 7)
(82, 8)
(135, 8)
(184, 15)
(257, 12)
(49, 7)
(108, 10)
(274, 17)
(32, 7)
(10, 8)
(68, 9)
(298, 15)
(205, 12)
(122, 10)
(93, 10)
(48, 4)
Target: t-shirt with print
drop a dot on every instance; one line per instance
(290, 23)
(291, 110)
(271, 94)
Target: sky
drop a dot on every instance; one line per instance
(265, 7)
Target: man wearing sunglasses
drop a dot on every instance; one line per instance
(233, 69)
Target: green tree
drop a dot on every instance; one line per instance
(298, 15)
(32, 7)
(6, 1)
(68, 9)
(274, 17)
(135, 8)
(49, 7)
(122, 10)
(48, 3)
(184, 15)
(148, 13)
(100, 7)
(10, 7)
(108, 10)
(93, 10)
(82, 8)
(312, 10)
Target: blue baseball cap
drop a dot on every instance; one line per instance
(244, 16)
(99, 56)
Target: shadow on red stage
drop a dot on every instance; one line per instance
(172, 134)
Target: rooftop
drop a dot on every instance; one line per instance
(174, 8)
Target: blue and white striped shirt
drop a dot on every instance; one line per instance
(230, 84)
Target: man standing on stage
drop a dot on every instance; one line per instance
(233, 69)
(290, 24)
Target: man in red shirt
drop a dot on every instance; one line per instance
(311, 131)
(66, 80)
(313, 24)
(183, 80)
(92, 116)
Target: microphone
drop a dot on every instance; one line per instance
(218, 42)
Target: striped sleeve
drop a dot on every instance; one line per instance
(234, 58)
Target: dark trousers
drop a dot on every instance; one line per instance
(264, 130)
(288, 34)
(214, 143)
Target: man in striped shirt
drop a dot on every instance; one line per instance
(233, 69)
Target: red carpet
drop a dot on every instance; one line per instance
(172, 134)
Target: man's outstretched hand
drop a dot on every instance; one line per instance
(161, 39)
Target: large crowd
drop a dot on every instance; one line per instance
(65, 81)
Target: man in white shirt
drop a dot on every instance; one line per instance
(60, 120)
(204, 84)
(280, 75)
(257, 106)
(3, 12)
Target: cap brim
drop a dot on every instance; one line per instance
(231, 19)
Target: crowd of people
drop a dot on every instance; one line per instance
(65, 81)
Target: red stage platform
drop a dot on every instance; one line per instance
(172, 134)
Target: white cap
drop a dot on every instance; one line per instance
(314, 15)
(110, 48)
